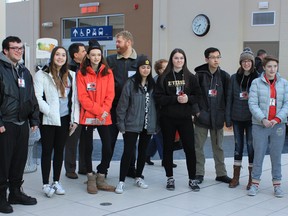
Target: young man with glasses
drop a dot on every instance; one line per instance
(18, 111)
(214, 83)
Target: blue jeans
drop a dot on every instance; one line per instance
(239, 128)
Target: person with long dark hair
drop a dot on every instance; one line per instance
(95, 83)
(177, 92)
(136, 117)
(55, 89)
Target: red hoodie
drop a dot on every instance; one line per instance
(95, 94)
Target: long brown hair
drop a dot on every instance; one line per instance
(60, 77)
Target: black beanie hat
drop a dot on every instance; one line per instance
(143, 60)
(93, 44)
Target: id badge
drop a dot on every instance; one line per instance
(212, 93)
(131, 73)
(21, 82)
(179, 90)
(91, 86)
(244, 95)
(272, 102)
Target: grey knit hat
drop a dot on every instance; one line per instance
(247, 54)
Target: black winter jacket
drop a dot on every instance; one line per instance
(122, 68)
(19, 104)
(213, 109)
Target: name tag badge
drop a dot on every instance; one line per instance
(91, 86)
(212, 93)
(21, 82)
(272, 102)
(244, 95)
(131, 73)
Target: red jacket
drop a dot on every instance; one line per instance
(95, 94)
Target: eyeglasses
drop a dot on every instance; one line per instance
(214, 57)
(17, 49)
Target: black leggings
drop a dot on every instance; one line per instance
(53, 138)
(186, 132)
(130, 139)
(106, 154)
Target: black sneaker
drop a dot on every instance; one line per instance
(21, 198)
(170, 184)
(199, 178)
(149, 162)
(193, 184)
(5, 207)
(224, 179)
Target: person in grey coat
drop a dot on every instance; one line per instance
(268, 103)
(136, 117)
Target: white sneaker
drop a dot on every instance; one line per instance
(48, 190)
(120, 187)
(58, 188)
(141, 183)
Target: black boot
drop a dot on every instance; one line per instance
(5, 207)
(17, 196)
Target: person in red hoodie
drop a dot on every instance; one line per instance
(95, 83)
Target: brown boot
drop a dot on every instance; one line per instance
(235, 181)
(91, 184)
(102, 185)
(250, 179)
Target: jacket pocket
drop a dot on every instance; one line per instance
(204, 118)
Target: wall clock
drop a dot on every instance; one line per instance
(201, 25)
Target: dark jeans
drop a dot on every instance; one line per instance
(13, 152)
(130, 140)
(240, 128)
(186, 132)
(53, 138)
(87, 138)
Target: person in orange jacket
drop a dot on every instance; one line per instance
(95, 83)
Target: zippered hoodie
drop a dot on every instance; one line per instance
(96, 94)
(19, 104)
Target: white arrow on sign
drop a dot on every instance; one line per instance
(75, 32)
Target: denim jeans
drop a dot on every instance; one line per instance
(156, 143)
(240, 128)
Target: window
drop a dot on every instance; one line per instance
(117, 21)
(263, 18)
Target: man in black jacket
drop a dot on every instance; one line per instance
(214, 84)
(77, 52)
(18, 112)
(123, 65)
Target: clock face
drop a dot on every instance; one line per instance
(201, 25)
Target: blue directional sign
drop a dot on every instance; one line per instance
(92, 32)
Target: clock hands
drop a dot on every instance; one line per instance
(198, 26)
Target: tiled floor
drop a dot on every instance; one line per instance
(213, 199)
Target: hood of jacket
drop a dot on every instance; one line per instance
(202, 68)
(6, 60)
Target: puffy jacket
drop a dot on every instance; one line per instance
(259, 99)
(19, 104)
(122, 68)
(131, 109)
(96, 94)
(212, 109)
(238, 110)
(48, 98)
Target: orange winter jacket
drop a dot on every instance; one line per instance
(95, 94)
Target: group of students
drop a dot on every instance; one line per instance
(120, 95)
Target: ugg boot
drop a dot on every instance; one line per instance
(91, 184)
(250, 179)
(17, 196)
(235, 181)
(101, 183)
(5, 207)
